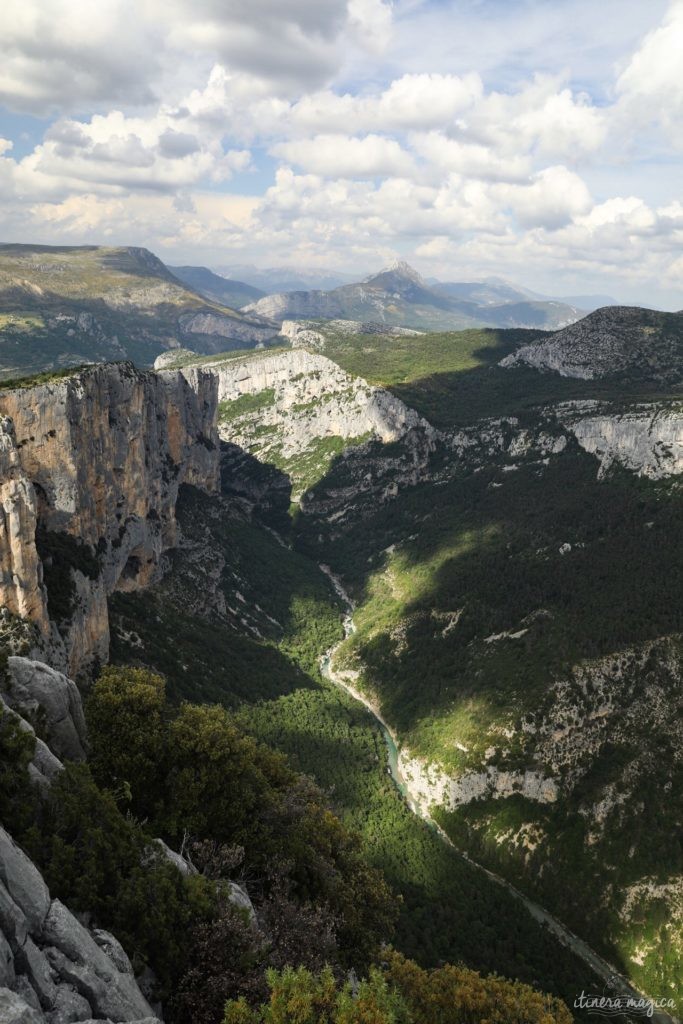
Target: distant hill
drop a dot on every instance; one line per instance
(399, 296)
(216, 288)
(63, 306)
(284, 279)
(492, 291)
(617, 342)
(588, 302)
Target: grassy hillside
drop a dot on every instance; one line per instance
(454, 378)
(63, 306)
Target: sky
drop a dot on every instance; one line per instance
(536, 140)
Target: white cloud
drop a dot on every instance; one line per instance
(543, 117)
(345, 157)
(409, 102)
(471, 159)
(72, 55)
(553, 197)
(57, 54)
(650, 88)
(378, 152)
(114, 152)
(371, 19)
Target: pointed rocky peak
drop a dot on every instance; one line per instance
(399, 272)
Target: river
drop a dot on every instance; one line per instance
(604, 970)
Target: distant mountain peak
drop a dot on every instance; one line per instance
(399, 269)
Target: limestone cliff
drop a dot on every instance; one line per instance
(21, 581)
(100, 456)
(297, 409)
(647, 439)
(215, 330)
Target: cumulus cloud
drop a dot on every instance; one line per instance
(471, 159)
(416, 101)
(113, 153)
(72, 54)
(156, 106)
(650, 87)
(371, 19)
(543, 117)
(552, 198)
(342, 156)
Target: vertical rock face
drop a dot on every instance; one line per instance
(21, 589)
(100, 456)
(646, 439)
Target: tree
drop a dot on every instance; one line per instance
(126, 728)
(457, 995)
(299, 997)
(17, 797)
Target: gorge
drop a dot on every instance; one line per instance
(175, 521)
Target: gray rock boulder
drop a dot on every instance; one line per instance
(23, 882)
(240, 898)
(15, 1010)
(37, 690)
(7, 975)
(69, 1007)
(13, 923)
(24, 988)
(184, 866)
(74, 954)
(34, 964)
(53, 970)
(113, 948)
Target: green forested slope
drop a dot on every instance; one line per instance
(449, 910)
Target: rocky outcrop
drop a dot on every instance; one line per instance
(312, 334)
(298, 399)
(21, 580)
(615, 341)
(44, 766)
(40, 694)
(54, 970)
(215, 328)
(428, 786)
(100, 456)
(647, 439)
(317, 398)
(284, 305)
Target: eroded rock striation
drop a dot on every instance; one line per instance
(647, 439)
(21, 580)
(99, 456)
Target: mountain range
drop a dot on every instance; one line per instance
(399, 296)
(62, 306)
